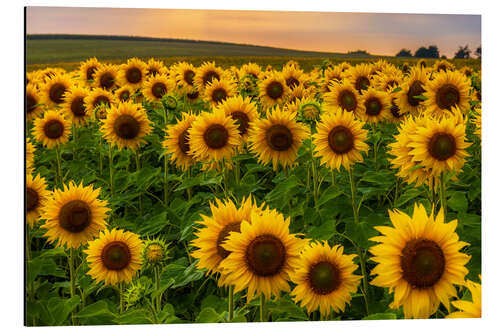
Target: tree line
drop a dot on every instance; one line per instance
(432, 51)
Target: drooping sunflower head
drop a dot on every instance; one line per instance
(276, 139)
(52, 130)
(54, 89)
(114, 257)
(155, 67)
(324, 278)
(340, 139)
(34, 107)
(88, 69)
(443, 66)
(215, 229)
(411, 90)
(74, 105)
(419, 260)
(360, 76)
(217, 91)
(157, 86)
(177, 142)
(375, 106)
(106, 77)
(468, 309)
(243, 111)
(273, 90)
(262, 255)
(126, 125)
(133, 73)
(98, 102)
(213, 137)
(447, 89)
(206, 73)
(123, 94)
(344, 96)
(155, 252)
(74, 215)
(36, 198)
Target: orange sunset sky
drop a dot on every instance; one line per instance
(380, 34)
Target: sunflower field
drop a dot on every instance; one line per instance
(186, 193)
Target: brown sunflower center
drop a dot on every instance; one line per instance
(126, 127)
(78, 107)
(53, 129)
(56, 93)
(216, 136)
(184, 141)
(275, 90)
(124, 95)
(447, 96)
(158, 89)
(107, 80)
(223, 234)
(133, 75)
(422, 262)
(116, 255)
(30, 103)
(373, 106)
(265, 255)
(279, 137)
(90, 72)
(209, 76)
(100, 100)
(416, 89)
(189, 77)
(347, 100)
(219, 95)
(395, 109)
(324, 277)
(242, 120)
(292, 82)
(341, 140)
(442, 146)
(192, 96)
(362, 83)
(75, 216)
(32, 199)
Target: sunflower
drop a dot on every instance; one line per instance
(251, 69)
(205, 74)
(217, 91)
(155, 67)
(184, 76)
(213, 136)
(74, 105)
(395, 111)
(375, 106)
(54, 89)
(389, 81)
(439, 144)
(46, 74)
(177, 144)
(277, 138)
(124, 93)
(33, 78)
(308, 108)
(340, 139)
(299, 92)
(476, 120)
(443, 66)
(99, 101)
(293, 76)
(52, 130)
(273, 90)
(243, 111)
(155, 87)
(419, 260)
(324, 278)
(33, 103)
(88, 69)
(447, 90)
(74, 215)
(126, 125)
(262, 255)
(114, 257)
(106, 77)
(468, 309)
(467, 71)
(215, 229)
(331, 76)
(36, 198)
(343, 95)
(360, 76)
(413, 86)
(155, 252)
(193, 96)
(30, 155)
(132, 73)
(421, 63)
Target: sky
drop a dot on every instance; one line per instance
(379, 34)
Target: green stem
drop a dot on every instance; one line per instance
(157, 286)
(59, 181)
(75, 141)
(100, 155)
(314, 174)
(362, 264)
(353, 197)
(121, 296)
(110, 155)
(138, 167)
(442, 193)
(165, 181)
(71, 263)
(231, 302)
(261, 312)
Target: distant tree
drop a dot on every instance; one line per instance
(478, 51)
(433, 52)
(404, 53)
(358, 53)
(421, 52)
(430, 52)
(463, 52)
